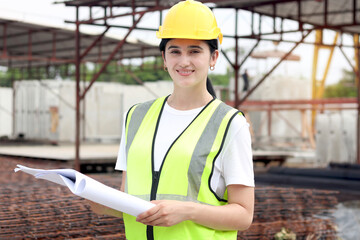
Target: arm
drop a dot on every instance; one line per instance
(103, 210)
(236, 215)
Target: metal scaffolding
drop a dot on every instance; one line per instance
(311, 16)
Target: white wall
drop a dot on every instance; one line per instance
(6, 105)
(46, 109)
(336, 137)
(36, 104)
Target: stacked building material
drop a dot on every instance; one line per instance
(38, 209)
(306, 212)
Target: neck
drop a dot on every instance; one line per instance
(187, 100)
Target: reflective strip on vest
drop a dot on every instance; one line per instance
(186, 171)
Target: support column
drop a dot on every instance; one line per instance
(317, 46)
(357, 67)
(236, 65)
(77, 92)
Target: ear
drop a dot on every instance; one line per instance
(214, 57)
(163, 56)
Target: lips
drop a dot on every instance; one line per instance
(185, 72)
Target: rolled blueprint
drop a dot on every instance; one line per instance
(88, 188)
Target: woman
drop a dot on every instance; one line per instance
(188, 153)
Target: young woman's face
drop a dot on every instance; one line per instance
(188, 62)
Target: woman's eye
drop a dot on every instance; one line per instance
(194, 51)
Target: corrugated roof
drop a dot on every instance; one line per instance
(45, 45)
(342, 15)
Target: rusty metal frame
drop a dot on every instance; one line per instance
(236, 65)
(271, 70)
(259, 36)
(80, 96)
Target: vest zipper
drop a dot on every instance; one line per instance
(154, 186)
(156, 174)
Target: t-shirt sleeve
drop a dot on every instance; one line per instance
(237, 159)
(121, 158)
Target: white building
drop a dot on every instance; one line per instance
(46, 109)
(6, 105)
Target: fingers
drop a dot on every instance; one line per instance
(165, 213)
(149, 216)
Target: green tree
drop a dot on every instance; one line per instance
(149, 71)
(346, 87)
(5, 80)
(221, 79)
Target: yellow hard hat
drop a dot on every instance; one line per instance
(190, 20)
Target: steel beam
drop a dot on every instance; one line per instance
(318, 40)
(88, 49)
(356, 51)
(4, 52)
(358, 121)
(354, 67)
(357, 60)
(154, 9)
(103, 67)
(321, 87)
(77, 93)
(357, 75)
(236, 65)
(138, 80)
(53, 55)
(275, 66)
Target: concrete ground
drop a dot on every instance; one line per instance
(63, 152)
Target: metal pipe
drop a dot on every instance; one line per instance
(269, 113)
(236, 65)
(354, 12)
(249, 53)
(87, 50)
(325, 12)
(252, 24)
(4, 52)
(77, 92)
(245, 58)
(120, 15)
(111, 56)
(274, 16)
(358, 125)
(358, 108)
(301, 102)
(14, 104)
(53, 55)
(227, 58)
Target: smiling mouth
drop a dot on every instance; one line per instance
(185, 72)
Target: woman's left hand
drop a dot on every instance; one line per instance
(166, 213)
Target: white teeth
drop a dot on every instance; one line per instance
(185, 72)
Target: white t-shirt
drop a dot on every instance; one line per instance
(234, 164)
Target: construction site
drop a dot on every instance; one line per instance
(55, 113)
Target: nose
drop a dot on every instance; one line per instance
(184, 61)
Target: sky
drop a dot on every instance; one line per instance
(47, 13)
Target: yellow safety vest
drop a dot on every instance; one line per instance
(186, 169)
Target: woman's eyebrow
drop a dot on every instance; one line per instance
(195, 46)
(191, 46)
(173, 46)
